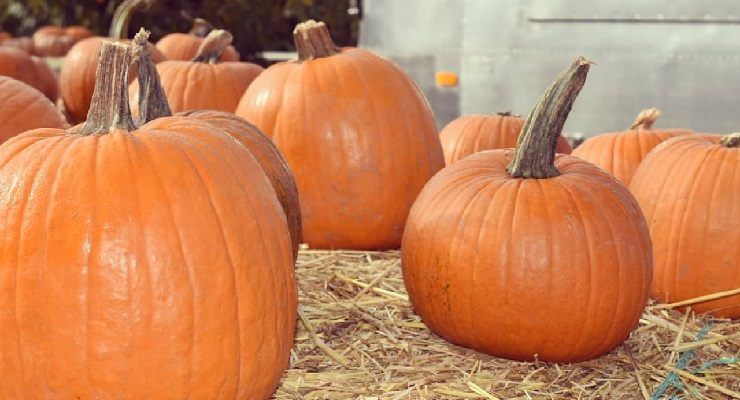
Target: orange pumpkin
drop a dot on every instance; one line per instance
(5, 36)
(204, 83)
(24, 44)
(358, 160)
(620, 153)
(55, 41)
(689, 189)
(160, 267)
(473, 133)
(153, 104)
(525, 254)
(184, 46)
(77, 76)
(23, 108)
(20, 65)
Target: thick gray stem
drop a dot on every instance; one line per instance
(152, 100)
(313, 40)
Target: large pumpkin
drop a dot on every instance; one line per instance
(23, 108)
(204, 82)
(689, 190)
(357, 133)
(525, 254)
(151, 262)
(619, 153)
(473, 133)
(77, 76)
(153, 104)
(55, 41)
(184, 46)
(34, 71)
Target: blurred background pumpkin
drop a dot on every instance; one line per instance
(257, 25)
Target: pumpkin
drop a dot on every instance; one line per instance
(184, 46)
(5, 36)
(473, 133)
(204, 82)
(24, 44)
(77, 75)
(527, 254)
(153, 104)
(358, 161)
(620, 153)
(689, 189)
(150, 262)
(55, 41)
(23, 108)
(20, 65)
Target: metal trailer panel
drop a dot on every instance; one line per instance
(680, 56)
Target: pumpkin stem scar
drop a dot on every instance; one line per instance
(122, 17)
(109, 108)
(731, 141)
(534, 156)
(646, 118)
(313, 40)
(152, 100)
(213, 45)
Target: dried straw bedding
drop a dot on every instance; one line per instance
(358, 338)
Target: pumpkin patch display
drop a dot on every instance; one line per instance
(359, 161)
(23, 108)
(153, 104)
(204, 82)
(140, 262)
(473, 133)
(77, 76)
(184, 46)
(55, 41)
(527, 254)
(689, 189)
(620, 153)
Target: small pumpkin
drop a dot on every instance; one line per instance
(24, 44)
(689, 189)
(23, 108)
(184, 46)
(527, 254)
(619, 153)
(77, 75)
(204, 82)
(473, 133)
(359, 161)
(55, 41)
(5, 36)
(20, 65)
(160, 266)
(153, 104)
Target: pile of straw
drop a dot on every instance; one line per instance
(358, 338)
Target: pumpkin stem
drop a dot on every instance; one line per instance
(534, 156)
(152, 100)
(201, 28)
(646, 118)
(507, 113)
(213, 45)
(313, 40)
(731, 141)
(109, 108)
(122, 17)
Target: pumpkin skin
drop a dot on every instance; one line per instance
(23, 108)
(359, 163)
(150, 299)
(197, 85)
(269, 158)
(77, 76)
(620, 153)
(184, 46)
(689, 189)
(55, 41)
(473, 133)
(19, 65)
(524, 257)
